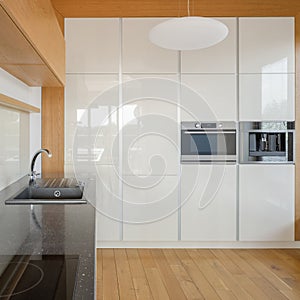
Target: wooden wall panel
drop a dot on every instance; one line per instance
(172, 8)
(53, 131)
(37, 22)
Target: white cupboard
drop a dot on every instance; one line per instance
(208, 198)
(139, 54)
(266, 45)
(150, 208)
(92, 45)
(267, 97)
(208, 97)
(218, 59)
(266, 194)
(108, 204)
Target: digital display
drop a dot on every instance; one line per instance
(208, 125)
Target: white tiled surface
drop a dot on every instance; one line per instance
(220, 58)
(92, 45)
(266, 45)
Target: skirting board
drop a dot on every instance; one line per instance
(180, 244)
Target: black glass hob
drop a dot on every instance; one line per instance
(47, 277)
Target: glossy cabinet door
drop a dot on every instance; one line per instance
(139, 54)
(92, 45)
(220, 58)
(267, 97)
(91, 103)
(108, 204)
(208, 199)
(150, 129)
(208, 97)
(266, 45)
(150, 208)
(266, 197)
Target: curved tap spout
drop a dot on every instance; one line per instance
(33, 173)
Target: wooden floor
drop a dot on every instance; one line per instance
(198, 274)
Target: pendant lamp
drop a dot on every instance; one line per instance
(188, 33)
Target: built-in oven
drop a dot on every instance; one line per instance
(208, 142)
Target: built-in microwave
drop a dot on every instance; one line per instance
(208, 142)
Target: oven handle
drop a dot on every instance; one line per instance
(208, 132)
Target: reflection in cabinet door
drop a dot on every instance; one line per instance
(208, 195)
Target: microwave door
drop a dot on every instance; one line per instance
(208, 145)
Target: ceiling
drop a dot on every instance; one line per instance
(171, 8)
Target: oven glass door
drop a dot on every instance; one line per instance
(201, 145)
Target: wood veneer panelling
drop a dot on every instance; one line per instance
(53, 131)
(19, 105)
(37, 22)
(171, 8)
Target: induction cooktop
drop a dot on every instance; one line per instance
(47, 277)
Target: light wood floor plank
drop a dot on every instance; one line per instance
(110, 279)
(239, 275)
(157, 287)
(126, 289)
(275, 280)
(198, 274)
(188, 286)
(172, 285)
(268, 289)
(140, 282)
(212, 276)
(99, 276)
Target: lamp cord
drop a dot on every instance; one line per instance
(188, 7)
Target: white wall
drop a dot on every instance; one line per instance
(29, 128)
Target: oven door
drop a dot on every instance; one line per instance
(208, 145)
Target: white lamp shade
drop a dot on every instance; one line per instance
(188, 33)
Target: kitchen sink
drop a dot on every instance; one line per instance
(50, 191)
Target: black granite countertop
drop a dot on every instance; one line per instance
(50, 230)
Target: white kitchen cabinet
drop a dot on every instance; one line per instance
(266, 45)
(108, 204)
(208, 197)
(142, 56)
(150, 208)
(91, 103)
(220, 58)
(150, 128)
(92, 45)
(266, 196)
(208, 97)
(267, 97)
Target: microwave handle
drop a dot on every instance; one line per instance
(208, 132)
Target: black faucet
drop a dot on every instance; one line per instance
(33, 174)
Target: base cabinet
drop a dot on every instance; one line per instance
(150, 208)
(266, 196)
(208, 195)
